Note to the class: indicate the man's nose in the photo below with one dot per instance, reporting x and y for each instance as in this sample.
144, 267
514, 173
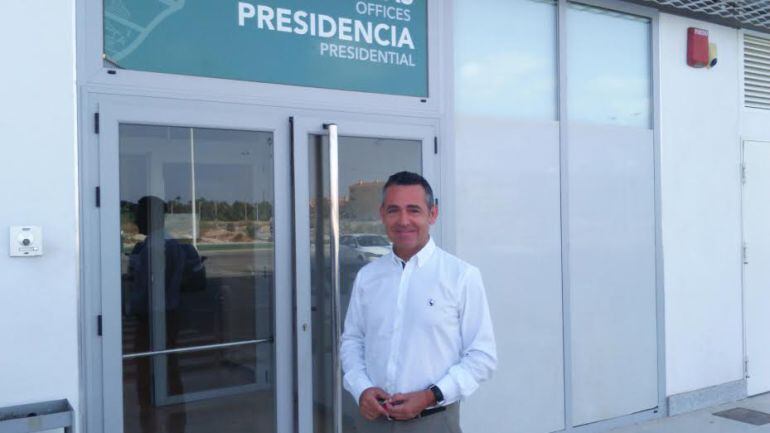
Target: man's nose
403, 218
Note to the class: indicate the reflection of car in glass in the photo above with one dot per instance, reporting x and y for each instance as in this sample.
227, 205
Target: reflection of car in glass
363, 247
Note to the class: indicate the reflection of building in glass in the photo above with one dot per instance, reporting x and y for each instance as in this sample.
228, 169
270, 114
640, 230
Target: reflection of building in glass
364, 200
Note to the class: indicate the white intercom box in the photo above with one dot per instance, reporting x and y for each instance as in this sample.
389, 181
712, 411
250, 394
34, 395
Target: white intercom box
26, 241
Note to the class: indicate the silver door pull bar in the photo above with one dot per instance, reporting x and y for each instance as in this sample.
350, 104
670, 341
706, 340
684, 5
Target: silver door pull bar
196, 348
334, 218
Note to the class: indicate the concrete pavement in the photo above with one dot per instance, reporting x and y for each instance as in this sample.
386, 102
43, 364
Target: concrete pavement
703, 421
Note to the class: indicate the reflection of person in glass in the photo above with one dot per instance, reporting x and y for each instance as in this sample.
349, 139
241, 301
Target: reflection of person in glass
156, 304
418, 335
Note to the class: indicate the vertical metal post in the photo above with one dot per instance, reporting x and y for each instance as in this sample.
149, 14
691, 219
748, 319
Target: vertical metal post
192, 183
566, 293
334, 217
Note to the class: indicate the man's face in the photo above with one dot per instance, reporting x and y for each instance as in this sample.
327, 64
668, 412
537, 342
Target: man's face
407, 218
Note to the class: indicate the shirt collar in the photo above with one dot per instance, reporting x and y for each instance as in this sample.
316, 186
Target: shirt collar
422, 256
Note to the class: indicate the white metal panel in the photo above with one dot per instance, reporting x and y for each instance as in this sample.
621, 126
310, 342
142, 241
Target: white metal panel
756, 267
109, 252
301, 128
612, 279
509, 226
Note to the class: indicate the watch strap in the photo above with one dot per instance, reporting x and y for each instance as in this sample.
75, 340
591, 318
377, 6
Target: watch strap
437, 394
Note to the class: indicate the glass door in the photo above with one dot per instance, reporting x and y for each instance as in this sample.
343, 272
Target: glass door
195, 273
340, 170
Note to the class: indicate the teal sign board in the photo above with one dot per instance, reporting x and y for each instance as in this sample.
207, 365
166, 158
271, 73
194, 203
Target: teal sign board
378, 46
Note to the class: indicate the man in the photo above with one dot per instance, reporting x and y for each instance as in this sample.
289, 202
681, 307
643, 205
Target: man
418, 335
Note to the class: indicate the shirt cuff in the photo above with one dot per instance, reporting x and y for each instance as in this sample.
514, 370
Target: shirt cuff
357, 384
449, 389
456, 385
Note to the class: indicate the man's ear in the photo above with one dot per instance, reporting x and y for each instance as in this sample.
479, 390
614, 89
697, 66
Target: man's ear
433, 214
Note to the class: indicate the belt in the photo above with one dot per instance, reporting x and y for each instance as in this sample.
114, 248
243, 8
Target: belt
431, 411
426, 412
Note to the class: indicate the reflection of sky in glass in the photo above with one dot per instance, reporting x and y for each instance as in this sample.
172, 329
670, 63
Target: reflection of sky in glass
217, 182
370, 159
230, 165
608, 67
505, 58
375, 159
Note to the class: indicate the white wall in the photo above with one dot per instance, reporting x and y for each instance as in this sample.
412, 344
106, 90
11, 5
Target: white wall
754, 124
38, 296
700, 196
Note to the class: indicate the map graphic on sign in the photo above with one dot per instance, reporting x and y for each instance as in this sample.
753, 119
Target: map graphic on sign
375, 46
124, 31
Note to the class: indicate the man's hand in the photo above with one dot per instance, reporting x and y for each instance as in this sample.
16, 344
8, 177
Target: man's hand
408, 406
369, 404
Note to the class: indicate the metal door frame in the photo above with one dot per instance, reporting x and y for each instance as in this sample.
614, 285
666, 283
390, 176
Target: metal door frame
100, 170
302, 128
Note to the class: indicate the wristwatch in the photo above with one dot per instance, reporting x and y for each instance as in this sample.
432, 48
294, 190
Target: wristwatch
437, 394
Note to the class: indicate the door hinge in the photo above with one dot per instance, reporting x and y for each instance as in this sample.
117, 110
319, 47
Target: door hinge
98, 197
435, 145
99, 325
745, 254
743, 173
746, 368
96, 123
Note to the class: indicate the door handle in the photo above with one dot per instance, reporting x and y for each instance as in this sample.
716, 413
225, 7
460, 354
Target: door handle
334, 219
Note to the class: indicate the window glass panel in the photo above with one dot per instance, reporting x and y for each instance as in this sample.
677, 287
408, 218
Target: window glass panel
197, 255
505, 58
608, 67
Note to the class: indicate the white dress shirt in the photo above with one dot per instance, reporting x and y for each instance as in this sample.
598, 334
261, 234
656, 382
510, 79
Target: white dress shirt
412, 325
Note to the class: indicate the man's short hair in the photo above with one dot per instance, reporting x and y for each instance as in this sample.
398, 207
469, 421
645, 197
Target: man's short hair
406, 178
